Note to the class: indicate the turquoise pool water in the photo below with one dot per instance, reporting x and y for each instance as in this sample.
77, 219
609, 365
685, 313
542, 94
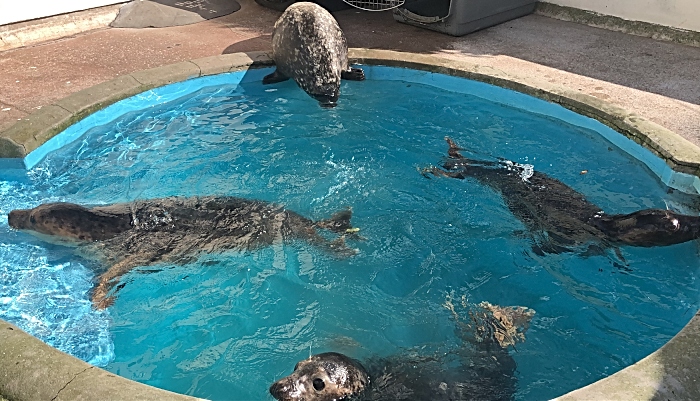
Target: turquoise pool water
227, 326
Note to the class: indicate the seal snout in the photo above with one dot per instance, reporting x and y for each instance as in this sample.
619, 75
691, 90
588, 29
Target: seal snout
279, 390
326, 101
18, 219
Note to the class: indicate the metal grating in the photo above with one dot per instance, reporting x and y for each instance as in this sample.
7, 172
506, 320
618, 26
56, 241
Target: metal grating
375, 5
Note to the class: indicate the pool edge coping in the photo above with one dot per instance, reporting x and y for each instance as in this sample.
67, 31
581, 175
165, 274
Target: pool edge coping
25, 136
641, 380
33, 370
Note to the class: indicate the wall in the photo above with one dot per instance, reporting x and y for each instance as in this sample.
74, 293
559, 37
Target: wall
22, 10
684, 14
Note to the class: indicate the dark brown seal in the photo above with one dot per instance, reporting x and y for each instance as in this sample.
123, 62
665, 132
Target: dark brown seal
173, 230
309, 47
561, 218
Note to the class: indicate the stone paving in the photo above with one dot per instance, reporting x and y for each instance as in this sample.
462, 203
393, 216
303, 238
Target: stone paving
654, 79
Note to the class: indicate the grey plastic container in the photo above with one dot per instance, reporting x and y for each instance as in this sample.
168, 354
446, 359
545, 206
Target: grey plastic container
460, 17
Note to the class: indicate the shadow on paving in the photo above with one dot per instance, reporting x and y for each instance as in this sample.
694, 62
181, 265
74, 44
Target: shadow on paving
249, 45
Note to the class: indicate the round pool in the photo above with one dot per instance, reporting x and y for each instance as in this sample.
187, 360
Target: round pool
429, 248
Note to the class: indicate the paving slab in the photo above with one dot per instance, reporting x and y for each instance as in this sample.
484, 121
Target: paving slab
100, 95
231, 62
38, 127
33, 371
166, 74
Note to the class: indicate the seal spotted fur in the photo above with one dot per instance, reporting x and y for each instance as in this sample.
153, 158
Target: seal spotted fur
309, 47
324, 377
481, 369
560, 217
172, 230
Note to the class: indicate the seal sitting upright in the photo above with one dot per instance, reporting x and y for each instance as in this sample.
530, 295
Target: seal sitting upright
309, 47
172, 230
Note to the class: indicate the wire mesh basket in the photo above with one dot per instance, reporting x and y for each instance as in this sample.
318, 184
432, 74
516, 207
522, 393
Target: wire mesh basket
375, 5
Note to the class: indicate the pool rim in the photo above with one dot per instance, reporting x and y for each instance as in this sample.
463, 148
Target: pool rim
25, 136
67, 377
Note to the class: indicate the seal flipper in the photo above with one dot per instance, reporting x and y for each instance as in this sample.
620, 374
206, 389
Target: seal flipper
141, 253
353, 74
426, 171
339, 222
275, 77
103, 294
453, 151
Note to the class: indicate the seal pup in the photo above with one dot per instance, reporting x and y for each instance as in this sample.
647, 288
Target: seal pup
176, 230
309, 47
482, 369
561, 218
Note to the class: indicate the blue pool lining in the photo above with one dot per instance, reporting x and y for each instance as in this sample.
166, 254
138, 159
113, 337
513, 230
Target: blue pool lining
681, 181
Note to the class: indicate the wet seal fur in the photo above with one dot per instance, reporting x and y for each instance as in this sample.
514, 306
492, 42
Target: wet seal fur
323, 377
309, 47
560, 217
481, 369
172, 230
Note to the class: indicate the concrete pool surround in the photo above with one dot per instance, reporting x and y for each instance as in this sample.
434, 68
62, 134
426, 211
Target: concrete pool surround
32, 370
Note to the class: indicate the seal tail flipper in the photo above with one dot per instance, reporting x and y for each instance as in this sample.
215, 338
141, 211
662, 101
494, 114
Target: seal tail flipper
353, 74
339, 222
340, 249
502, 325
454, 149
275, 77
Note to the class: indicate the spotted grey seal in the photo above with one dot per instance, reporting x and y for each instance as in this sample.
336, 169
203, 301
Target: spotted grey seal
309, 47
481, 369
323, 377
561, 218
172, 230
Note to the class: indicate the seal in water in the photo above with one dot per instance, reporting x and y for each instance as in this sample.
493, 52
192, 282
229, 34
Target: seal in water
323, 377
309, 47
172, 230
562, 218
481, 369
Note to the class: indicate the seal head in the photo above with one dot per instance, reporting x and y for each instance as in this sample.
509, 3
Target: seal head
69, 221
649, 227
323, 377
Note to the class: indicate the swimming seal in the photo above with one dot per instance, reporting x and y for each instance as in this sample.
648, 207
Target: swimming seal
480, 369
172, 230
309, 47
324, 377
562, 218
